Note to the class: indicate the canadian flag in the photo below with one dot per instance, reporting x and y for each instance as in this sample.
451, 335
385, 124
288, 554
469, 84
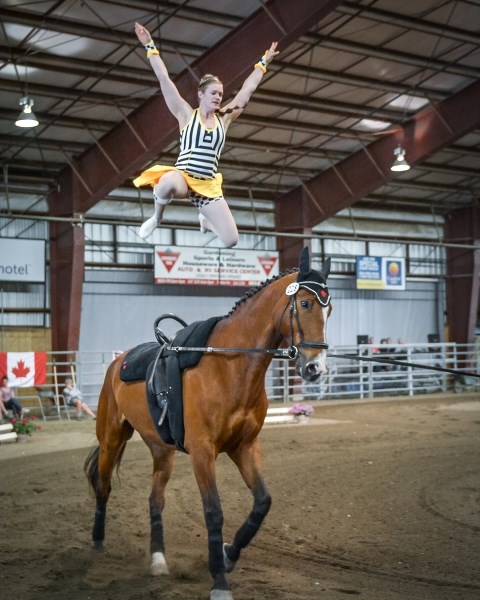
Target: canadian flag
24, 369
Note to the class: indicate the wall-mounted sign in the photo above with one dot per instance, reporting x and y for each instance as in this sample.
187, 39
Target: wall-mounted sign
213, 266
380, 273
22, 260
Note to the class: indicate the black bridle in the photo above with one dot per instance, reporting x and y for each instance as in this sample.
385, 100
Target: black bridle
294, 349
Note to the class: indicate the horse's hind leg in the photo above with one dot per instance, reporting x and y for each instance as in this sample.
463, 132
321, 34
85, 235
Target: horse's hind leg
248, 462
162, 469
99, 468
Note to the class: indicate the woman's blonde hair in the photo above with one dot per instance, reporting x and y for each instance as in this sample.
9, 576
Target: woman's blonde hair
207, 80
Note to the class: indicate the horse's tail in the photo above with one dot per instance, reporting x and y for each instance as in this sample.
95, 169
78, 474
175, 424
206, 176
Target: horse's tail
107, 397
91, 465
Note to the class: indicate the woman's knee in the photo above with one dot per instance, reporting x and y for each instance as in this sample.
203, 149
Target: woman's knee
168, 186
230, 240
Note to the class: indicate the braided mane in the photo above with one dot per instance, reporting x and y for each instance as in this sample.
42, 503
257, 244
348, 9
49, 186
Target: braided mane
257, 289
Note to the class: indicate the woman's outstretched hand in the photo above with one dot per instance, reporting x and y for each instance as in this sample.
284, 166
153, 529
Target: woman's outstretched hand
271, 52
143, 34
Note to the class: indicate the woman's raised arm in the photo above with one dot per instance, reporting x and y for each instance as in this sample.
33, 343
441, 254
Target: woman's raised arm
250, 84
175, 103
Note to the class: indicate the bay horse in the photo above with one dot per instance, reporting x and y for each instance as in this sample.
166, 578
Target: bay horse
225, 404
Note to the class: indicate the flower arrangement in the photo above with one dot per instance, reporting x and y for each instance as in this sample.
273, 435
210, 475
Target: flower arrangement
301, 409
24, 426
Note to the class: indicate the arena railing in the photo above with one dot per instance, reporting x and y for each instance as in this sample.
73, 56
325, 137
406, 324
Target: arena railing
347, 378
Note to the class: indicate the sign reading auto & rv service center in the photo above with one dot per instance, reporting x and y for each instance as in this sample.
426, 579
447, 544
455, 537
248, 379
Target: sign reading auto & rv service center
213, 266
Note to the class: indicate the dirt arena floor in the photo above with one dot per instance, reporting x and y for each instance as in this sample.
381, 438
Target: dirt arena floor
377, 500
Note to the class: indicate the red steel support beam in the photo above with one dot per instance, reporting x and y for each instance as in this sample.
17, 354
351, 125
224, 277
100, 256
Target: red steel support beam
67, 261
463, 274
368, 169
67, 251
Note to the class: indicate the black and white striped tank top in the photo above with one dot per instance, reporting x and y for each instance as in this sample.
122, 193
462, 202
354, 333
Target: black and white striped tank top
200, 148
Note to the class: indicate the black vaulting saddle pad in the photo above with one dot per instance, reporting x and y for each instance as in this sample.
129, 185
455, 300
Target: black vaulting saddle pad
167, 379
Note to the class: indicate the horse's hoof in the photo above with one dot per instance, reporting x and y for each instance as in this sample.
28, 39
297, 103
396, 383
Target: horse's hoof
229, 564
159, 564
221, 595
98, 545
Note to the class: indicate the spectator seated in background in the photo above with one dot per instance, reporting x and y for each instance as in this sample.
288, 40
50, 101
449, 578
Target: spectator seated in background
384, 342
3, 411
73, 397
370, 352
371, 341
401, 353
8, 400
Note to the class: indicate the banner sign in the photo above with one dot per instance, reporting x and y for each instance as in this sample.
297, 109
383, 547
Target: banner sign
213, 266
22, 260
380, 273
24, 369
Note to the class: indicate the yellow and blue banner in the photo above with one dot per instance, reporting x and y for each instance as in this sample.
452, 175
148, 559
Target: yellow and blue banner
380, 273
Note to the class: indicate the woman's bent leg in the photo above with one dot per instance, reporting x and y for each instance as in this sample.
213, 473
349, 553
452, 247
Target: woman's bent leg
219, 219
169, 186
14, 405
149, 226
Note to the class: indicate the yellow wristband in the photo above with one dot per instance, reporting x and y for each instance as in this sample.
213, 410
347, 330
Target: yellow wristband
260, 66
152, 52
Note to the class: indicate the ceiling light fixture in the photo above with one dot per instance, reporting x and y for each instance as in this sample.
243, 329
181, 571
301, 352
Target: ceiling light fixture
27, 117
399, 164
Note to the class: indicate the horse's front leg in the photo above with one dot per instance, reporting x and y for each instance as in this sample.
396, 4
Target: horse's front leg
203, 461
248, 461
162, 469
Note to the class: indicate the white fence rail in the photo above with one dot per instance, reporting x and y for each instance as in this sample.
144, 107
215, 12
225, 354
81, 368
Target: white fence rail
352, 378
347, 378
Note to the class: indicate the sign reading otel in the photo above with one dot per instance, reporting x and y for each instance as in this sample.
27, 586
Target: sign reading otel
213, 266
22, 260
380, 273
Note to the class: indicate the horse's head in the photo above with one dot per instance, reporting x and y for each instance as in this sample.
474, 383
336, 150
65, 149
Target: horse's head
309, 310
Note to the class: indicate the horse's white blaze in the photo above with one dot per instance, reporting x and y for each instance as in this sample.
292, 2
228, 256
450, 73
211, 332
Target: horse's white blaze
159, 564
321, 357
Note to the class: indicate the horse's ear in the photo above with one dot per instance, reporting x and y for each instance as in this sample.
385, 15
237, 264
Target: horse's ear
326, 268
305, 261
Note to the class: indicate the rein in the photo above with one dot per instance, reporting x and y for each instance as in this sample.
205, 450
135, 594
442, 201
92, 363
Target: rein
287, 353
291, 353
403, 363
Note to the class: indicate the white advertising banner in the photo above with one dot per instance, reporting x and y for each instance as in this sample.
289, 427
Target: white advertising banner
213, 266
22, 260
